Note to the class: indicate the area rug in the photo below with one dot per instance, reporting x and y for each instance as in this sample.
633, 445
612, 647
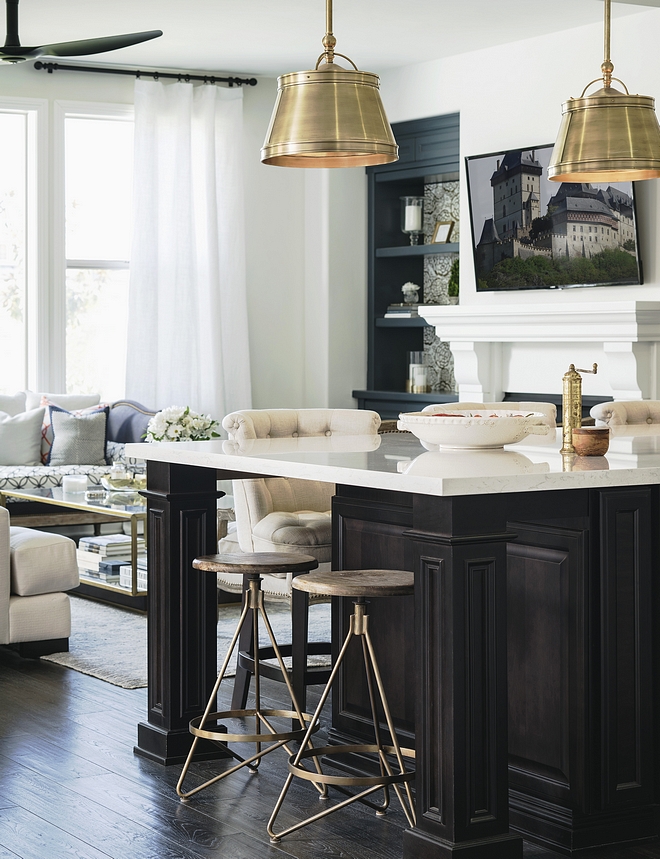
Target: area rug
111, 643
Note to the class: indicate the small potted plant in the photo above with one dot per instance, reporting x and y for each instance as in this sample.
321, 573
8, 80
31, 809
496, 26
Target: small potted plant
452, 285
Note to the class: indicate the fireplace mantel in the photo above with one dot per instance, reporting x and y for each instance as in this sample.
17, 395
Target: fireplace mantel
528, 347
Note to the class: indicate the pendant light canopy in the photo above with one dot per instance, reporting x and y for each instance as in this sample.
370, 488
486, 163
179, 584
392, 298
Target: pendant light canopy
329, 116
609, 136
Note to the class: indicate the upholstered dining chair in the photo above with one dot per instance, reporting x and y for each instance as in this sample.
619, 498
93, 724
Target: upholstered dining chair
285, 515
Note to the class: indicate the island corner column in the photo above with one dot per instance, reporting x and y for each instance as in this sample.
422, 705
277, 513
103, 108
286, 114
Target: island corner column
182, 608
461, 690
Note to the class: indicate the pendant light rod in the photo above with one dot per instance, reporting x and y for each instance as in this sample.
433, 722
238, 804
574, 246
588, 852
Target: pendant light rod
608, 28
608, 66
329, 40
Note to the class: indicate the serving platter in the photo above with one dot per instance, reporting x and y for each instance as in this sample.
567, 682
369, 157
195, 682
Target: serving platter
472, 429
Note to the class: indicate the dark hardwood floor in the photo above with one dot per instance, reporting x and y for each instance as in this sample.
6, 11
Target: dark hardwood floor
70, 786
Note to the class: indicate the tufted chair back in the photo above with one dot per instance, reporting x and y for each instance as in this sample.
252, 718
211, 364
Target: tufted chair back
626, 412
299, 423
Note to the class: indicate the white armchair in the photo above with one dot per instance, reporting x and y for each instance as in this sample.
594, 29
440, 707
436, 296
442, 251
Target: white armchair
36, 569
280, 514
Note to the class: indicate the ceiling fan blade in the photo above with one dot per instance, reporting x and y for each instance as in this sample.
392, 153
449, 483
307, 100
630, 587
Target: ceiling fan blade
97, 46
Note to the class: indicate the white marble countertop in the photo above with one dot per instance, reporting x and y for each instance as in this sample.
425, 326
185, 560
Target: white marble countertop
397, 461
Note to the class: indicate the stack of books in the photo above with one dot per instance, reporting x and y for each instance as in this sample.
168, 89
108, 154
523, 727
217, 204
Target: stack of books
126, 574
102, 557
402, 311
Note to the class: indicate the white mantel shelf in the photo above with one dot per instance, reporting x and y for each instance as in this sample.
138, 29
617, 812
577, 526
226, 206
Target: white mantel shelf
618, 321
487, 340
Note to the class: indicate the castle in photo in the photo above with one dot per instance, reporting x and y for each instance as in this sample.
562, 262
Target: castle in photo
580, 220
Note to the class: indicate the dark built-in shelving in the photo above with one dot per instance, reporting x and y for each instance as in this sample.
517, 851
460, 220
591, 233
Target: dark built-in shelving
418, 250
403, 322
428, 153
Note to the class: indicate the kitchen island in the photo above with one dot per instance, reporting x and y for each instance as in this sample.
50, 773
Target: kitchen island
525, 666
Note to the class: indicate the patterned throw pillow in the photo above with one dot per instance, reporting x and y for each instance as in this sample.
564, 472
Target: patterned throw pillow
115, 454
78, 439
47, 430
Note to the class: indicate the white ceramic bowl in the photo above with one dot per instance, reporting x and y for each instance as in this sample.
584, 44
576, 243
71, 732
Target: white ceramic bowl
473, 430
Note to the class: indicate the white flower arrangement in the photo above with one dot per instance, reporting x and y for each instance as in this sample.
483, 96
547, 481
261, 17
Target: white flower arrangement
179, 423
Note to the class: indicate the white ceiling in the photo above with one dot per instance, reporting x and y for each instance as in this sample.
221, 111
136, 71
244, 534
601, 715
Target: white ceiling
267, 37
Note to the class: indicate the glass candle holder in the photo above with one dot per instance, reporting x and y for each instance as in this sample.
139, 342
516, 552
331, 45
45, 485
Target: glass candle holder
417, 373
412, 217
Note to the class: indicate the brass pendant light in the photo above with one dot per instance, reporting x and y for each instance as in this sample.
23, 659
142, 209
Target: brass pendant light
329, 116
609, 136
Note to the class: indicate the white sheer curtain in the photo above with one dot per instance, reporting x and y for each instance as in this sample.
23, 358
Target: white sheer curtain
188, 329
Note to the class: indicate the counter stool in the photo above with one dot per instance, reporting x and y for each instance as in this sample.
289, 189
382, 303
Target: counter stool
252, 566
359, 584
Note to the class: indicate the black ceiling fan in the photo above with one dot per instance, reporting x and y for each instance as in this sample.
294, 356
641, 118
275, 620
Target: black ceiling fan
14, 52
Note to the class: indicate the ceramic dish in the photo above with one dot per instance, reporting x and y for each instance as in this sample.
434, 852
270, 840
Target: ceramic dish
473, 430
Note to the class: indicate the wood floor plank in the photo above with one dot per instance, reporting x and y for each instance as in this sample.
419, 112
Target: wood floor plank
48, 759
86, 820
34, 838
177, 821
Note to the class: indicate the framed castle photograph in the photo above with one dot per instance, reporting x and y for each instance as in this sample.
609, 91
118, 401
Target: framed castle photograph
531, 233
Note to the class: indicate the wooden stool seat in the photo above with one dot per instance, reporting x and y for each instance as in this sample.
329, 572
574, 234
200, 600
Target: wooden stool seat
256, 562
358, 583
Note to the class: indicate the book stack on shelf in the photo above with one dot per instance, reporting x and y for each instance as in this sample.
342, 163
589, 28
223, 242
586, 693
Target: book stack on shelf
126, 574
102, 557
401, 311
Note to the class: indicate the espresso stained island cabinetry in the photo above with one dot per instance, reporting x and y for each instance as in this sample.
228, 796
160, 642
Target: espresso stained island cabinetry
428, 154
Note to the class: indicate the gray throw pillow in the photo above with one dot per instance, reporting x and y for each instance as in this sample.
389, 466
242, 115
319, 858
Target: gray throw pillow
78, 439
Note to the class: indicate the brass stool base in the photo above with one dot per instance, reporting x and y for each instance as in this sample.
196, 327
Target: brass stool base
399, 780
265, 741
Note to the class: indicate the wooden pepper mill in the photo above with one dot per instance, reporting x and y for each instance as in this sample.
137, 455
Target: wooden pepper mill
572, 405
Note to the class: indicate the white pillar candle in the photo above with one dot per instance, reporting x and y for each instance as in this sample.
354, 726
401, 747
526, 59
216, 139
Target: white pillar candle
413, 219
74, 483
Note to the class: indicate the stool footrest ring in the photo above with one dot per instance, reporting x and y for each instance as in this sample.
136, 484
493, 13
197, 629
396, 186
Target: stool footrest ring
268, 736
351, 781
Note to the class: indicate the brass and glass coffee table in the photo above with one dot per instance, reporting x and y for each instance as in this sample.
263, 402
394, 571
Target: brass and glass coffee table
119, 505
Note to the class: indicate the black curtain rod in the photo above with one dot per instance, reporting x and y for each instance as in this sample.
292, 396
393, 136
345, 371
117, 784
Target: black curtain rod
180, 76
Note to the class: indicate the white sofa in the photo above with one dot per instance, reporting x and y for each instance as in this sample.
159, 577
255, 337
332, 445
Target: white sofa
36, 570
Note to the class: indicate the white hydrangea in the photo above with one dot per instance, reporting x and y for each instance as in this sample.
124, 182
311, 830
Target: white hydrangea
179, 423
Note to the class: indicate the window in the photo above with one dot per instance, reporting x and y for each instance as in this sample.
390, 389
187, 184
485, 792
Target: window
64, 253
19, 240
98, 186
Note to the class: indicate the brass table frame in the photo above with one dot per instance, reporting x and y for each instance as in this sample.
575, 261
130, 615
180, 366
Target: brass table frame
87, 506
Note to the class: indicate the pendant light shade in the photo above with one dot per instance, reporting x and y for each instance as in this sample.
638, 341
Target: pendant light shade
609, 136
329, 116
